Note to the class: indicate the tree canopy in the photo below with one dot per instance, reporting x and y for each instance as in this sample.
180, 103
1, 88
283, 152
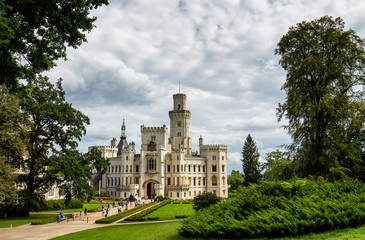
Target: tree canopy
34, 34
325, 99
250, 161
51, 155
205, 200
235, 180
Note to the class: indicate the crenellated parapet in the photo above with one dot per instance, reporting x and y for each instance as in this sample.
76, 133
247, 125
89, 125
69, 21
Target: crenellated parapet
162, 129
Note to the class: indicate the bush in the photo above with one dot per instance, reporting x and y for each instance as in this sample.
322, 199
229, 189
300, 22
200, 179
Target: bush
276, 209
131, 198
205, 200
49, 220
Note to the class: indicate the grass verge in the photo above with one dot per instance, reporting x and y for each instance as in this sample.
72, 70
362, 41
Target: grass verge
170, 211
168, 231
5, 223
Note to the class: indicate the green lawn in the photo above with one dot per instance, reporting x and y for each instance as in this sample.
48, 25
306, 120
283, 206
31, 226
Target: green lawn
4, 223
168, 231
169, 211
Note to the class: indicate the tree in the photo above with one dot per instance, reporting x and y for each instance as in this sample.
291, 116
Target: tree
34, 34
235, 180
250, 161
205, 200
325, 104
7, 184
277, 166
51, 151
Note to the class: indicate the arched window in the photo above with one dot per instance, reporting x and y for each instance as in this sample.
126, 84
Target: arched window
223, 181
214, 181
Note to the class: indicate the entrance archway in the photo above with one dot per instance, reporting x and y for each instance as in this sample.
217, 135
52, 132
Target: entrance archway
149, 188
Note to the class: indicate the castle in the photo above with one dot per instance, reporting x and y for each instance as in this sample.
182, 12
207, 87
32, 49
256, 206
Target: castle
166, 167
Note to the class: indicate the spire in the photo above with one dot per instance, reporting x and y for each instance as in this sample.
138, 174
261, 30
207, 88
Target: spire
123, 135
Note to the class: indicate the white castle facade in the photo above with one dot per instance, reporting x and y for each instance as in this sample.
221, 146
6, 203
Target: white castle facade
165, 166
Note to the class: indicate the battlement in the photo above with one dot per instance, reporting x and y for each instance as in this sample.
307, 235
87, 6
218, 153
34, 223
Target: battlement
162, 129
214, 148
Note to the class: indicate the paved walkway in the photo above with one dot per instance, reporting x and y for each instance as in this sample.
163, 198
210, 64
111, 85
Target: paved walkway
51, 230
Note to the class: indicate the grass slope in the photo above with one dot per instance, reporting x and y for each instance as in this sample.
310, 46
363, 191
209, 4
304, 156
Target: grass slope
169, 211
168, 231
4, 223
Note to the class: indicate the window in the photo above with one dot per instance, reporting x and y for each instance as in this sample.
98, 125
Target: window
178, 124
214, 168
203, 181
170, 194
184, 194
151, 164
223, 181
199, 181
168, 168
108, 169
194, 181
189, 194
51, 192
198, 168
131, 168
118, 181
224, 192
153, 138
222, 168
194, 193
179, 134
214, 157
203, 168
127, 158
126, 168
189, 181
137, 168
194, 168
215, 192
182, 168
214, 181
173, 168
168, 181
177, 194
108, 182
120, 168
222, 157
189, 168
177, 168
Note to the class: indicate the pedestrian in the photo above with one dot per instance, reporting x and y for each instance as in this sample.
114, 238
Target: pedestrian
74, 215
102, 212
85, 212
107, 211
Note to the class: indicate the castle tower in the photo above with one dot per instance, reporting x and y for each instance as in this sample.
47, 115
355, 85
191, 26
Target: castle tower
179, 125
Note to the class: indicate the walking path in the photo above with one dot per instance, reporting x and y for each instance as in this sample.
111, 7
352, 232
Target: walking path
51, 230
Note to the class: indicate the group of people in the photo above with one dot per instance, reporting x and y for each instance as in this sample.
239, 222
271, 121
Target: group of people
121, 205
60, 217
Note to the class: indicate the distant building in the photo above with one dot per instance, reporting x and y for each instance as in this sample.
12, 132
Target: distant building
165, 166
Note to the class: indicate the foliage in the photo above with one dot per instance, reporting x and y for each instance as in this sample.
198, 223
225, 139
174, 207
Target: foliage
235, 180
49, 220
34, 34
131, 198
250, 161
51, 145
277, 166
325, 105
7, 184
273, 209
205, 200
124, 214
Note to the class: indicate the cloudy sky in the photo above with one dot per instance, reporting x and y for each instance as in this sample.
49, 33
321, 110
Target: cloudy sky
221, 53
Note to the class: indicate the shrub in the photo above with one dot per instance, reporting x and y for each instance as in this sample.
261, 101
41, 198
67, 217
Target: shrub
275, 209
205, 200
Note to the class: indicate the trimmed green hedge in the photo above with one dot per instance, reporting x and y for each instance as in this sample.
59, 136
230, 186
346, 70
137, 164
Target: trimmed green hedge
140, 216
124, 214
49, 220
276, 209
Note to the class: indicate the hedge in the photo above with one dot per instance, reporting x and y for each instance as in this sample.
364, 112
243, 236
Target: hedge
140, 216
49, 220
277, 209
124, 214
